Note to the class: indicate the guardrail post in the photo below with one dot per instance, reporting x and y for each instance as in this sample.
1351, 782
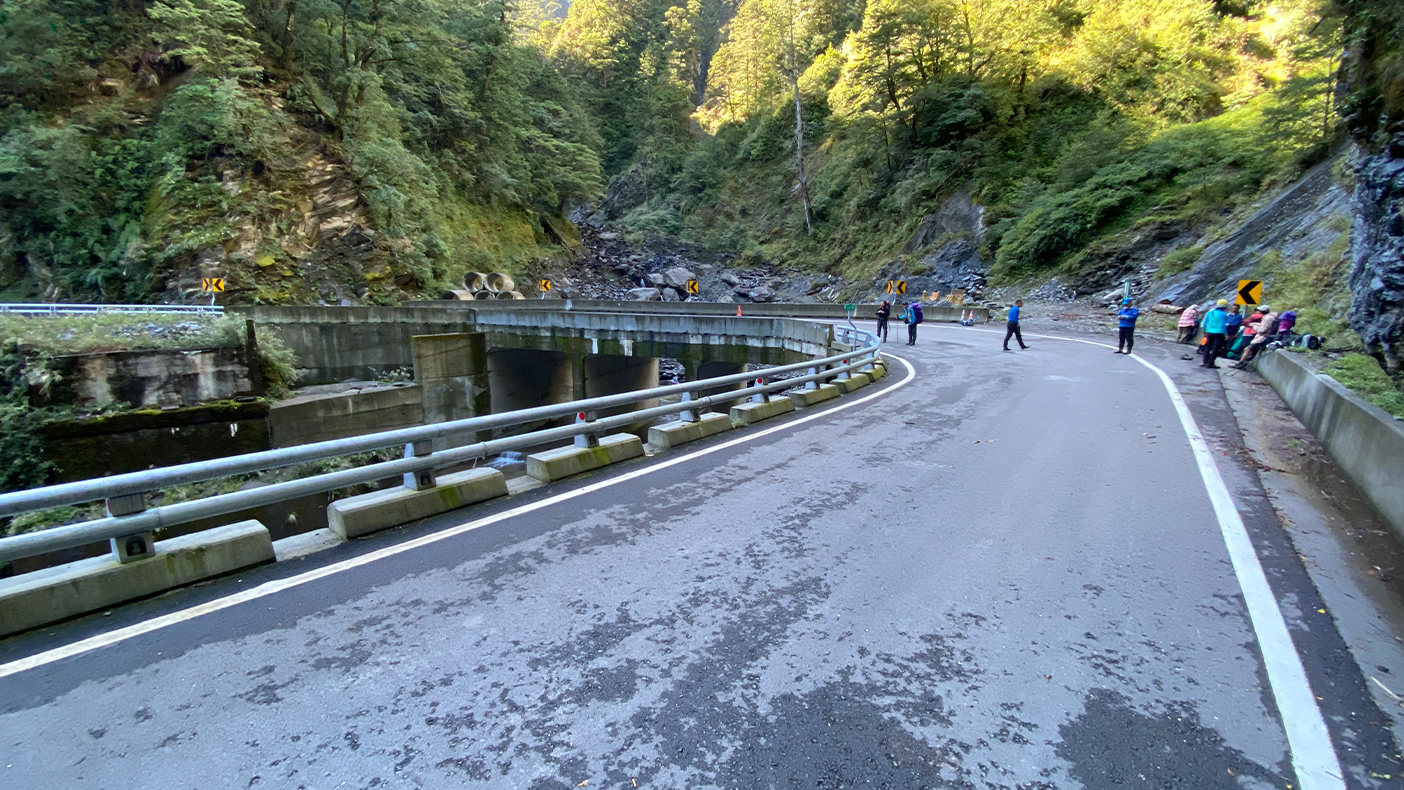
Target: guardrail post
587, 439
424, 478
135, 546
760, 397
691, 414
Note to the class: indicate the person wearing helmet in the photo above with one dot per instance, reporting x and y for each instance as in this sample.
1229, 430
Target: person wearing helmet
1215, 326
1126, 326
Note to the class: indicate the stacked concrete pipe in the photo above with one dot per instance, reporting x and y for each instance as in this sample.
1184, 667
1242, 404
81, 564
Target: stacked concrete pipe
500, 282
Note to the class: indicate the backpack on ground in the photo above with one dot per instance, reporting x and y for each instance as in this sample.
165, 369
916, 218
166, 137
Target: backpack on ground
917, 317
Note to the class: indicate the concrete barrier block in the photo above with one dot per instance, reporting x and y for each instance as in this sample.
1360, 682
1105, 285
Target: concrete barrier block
553, 465
748, 413
361, 515
810, 397
675, 433
878, 372
48, 596
1366, 441
853, 383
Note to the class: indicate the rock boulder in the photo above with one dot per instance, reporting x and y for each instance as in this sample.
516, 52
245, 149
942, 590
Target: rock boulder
678, 277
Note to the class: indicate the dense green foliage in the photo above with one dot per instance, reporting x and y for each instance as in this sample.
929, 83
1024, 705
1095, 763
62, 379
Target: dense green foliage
143, 139
22, 462
1372, 77
1363, 375
137, 134
1066, 120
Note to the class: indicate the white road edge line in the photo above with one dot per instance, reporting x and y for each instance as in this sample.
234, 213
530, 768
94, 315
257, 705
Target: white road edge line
279, 585
1313, 757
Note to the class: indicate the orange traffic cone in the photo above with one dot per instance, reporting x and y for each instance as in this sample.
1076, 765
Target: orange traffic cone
738, 311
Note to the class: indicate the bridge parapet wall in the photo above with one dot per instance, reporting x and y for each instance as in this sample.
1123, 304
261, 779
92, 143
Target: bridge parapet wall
334, 344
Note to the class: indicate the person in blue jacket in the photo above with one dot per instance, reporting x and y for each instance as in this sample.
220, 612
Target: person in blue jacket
911, 317
1215, 325
1233, 324
1126, 326
1011, 329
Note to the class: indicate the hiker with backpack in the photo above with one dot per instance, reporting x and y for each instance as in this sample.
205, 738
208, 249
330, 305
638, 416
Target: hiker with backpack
1266, 329
884, 312
913, 316
1250, 329
1011, 329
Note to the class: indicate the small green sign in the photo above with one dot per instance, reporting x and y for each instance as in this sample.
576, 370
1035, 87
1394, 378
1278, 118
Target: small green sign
850, 307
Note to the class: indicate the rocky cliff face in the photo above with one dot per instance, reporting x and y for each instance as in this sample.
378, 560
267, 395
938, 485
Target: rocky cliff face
1295, 223
1377, 249
1371, 98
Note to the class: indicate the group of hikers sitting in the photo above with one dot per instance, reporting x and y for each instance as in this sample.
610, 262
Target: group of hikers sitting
1225, 332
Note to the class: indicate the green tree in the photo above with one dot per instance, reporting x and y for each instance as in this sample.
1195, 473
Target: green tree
211, 35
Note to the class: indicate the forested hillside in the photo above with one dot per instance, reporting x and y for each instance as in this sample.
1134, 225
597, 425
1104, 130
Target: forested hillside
1063, 120
306, 149
372, 150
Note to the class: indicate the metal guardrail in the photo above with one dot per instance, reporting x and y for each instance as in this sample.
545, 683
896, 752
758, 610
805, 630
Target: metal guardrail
125, 494
68, 309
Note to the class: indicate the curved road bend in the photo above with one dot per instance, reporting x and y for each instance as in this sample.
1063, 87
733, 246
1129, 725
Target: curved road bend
1005, 573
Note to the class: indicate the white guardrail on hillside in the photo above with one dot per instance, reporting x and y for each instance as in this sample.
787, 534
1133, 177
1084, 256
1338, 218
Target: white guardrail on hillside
126, 495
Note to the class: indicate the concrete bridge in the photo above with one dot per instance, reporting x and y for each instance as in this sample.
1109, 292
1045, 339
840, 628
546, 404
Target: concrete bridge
339, 343
470, 362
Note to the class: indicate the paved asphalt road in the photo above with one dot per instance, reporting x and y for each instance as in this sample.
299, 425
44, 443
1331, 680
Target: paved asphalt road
1005, 573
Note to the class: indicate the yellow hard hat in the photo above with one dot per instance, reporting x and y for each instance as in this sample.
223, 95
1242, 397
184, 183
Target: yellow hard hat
1223, 302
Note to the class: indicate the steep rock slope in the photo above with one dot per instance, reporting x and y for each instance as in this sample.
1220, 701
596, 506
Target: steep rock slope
1294, 223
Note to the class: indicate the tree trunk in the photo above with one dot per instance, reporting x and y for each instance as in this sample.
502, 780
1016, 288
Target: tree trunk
799, 157
802, 182
287, 58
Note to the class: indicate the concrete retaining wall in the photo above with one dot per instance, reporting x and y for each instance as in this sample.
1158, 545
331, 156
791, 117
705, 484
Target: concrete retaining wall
1366, 441
87, 447
152, 377
335, 344
315, 418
